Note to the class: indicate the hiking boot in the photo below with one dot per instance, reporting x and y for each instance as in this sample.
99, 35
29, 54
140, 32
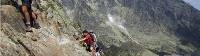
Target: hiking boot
36, 26
28, 28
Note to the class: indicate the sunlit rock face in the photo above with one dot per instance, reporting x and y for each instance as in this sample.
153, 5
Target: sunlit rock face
54, 38
123, 28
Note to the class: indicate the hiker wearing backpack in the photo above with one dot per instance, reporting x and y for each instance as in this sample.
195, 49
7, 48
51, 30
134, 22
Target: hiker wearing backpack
89, 43
30, 18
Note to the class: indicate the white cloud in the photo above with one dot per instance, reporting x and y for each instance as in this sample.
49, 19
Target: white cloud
194, 3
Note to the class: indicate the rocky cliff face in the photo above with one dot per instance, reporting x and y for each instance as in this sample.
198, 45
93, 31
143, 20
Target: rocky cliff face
123, 28
53, 39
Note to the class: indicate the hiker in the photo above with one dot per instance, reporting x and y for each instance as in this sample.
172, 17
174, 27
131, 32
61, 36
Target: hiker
89, 43
30, 18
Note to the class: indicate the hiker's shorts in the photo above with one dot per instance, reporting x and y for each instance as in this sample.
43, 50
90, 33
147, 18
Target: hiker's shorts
88, 48
27, 3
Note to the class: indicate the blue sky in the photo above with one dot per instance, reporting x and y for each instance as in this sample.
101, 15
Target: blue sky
194, 3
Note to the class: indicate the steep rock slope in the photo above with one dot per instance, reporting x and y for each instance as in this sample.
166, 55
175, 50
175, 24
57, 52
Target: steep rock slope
53, 39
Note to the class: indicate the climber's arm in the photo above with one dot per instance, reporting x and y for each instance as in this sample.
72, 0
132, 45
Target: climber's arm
83, 39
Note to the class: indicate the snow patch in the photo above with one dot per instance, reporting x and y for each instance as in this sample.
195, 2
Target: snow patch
118, 22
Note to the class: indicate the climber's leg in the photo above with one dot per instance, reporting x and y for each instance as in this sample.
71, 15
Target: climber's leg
93, 51
34, 19
26, 15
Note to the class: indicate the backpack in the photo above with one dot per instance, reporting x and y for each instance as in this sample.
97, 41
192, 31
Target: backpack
93, 35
